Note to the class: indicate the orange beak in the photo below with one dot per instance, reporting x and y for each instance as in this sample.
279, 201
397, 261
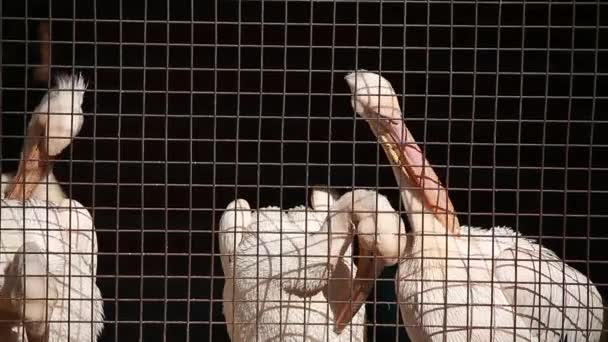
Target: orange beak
368, 270
33, 167
405, 154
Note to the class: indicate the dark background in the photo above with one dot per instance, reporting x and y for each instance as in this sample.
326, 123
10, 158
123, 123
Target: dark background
193, 102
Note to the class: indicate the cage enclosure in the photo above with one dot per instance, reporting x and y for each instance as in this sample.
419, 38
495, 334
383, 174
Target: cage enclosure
192, 104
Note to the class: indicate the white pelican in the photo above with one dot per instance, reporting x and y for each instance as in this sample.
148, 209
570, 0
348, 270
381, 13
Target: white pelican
48, 247
464, 283
266, 253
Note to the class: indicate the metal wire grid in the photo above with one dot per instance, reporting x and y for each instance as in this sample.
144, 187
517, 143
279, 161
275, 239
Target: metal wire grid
194, 104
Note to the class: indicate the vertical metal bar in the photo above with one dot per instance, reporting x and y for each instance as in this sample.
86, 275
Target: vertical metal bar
590, 165
48, 86
566, 164
282, 162
25, 110
236, 182
544, 142
399, 198
214, 142
495, 131
46, 40
447, 162
259, 143
308, 142
520, 121
166, 145
118, 158
354, 150
377, 167
190, 186
423, 148
94, 156
471, 149
71, 164
332, 67
144, 70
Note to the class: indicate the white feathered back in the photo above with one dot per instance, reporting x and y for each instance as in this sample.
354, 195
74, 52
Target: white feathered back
259, 302
67, 234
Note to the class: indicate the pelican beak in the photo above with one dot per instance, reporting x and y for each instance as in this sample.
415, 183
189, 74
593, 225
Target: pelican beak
375, 100
368, 270
33, 167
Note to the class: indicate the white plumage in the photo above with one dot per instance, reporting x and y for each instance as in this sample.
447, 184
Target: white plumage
527, 285
48, 246
60, 112
549, 295
65, 236
262, 252
458, 283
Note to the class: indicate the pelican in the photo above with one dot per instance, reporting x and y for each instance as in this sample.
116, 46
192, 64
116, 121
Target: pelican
266, 254
459, 283
48, 247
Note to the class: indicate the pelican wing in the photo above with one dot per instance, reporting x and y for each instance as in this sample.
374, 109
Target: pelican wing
555, 300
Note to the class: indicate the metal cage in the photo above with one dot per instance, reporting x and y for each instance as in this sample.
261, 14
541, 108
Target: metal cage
192, 104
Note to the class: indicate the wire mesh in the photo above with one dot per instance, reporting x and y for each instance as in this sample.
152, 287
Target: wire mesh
193, 104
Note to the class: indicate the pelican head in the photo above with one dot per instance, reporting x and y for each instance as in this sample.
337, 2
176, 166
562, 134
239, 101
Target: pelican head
382, 240
60, 113
362, 214
380, 230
